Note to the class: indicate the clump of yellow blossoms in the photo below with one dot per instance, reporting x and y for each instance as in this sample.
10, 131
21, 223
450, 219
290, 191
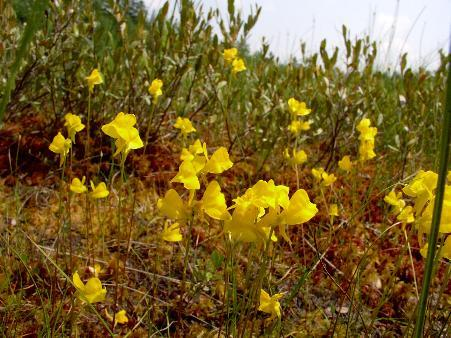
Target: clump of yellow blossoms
126, 136
155, 89
231, 56
185, 125
195, 163
270, 304
367, 135
95, 78
91, 292
421, 191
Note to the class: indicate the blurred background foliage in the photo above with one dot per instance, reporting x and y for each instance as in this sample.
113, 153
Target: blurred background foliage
182, 44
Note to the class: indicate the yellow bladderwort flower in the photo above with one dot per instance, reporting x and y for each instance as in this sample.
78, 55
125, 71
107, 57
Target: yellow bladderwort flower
395, 199
406, 215
333, 210
171, 233
213, 202
230, 54
298, 108
299, 157
60, 145
238, 65
95, 78
328, 179
345, 163
242, 226
297, 126
286, 154
122, 130
185, 126
155, 89
91, 292
172, 206
99, 191
219, 162
317, 173
73, 125
270, 304
78, 186
187, 175
119, 318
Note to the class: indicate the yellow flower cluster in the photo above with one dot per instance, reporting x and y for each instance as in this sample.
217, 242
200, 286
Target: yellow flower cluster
231, 56
322, 176
265, 206
60, 145
297, 109
367, 135
195, 163
421, 190
99, 191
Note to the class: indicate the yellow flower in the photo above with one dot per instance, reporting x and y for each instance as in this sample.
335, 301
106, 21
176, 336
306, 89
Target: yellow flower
61, 146
119, 318
90, 292
345, 163
185, 126
286, 154
299, 157
78, 186
73, 125
296, 126
94, 79
298, 108
406, 215
155, 89
270, 304
328, 179
187, 175
219, 162
238, 65
100, 191
213, 202
395, 199
299, 209
230, 54
172, 206
333, 210
317, 173
242, 226
122, 130
171, 233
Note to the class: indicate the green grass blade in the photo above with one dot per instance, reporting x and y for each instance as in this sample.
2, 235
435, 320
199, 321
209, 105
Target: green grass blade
445, 141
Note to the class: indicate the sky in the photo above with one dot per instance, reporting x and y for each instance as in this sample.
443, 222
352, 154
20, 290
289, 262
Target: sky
418, 27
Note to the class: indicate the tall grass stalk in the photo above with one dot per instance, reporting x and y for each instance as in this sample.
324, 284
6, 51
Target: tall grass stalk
445, 142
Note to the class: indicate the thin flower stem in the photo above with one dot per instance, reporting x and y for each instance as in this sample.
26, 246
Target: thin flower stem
445, 141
